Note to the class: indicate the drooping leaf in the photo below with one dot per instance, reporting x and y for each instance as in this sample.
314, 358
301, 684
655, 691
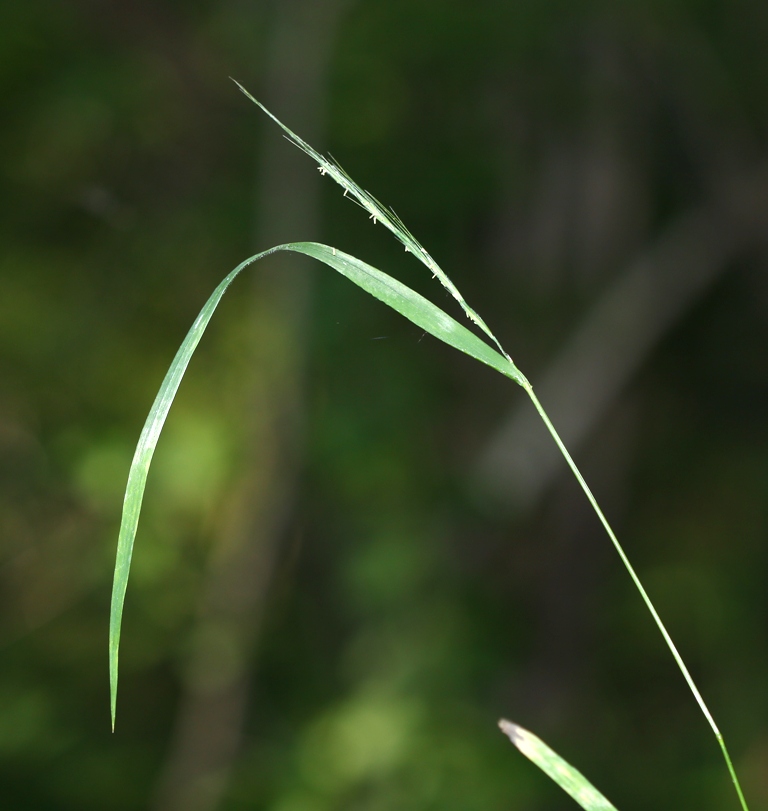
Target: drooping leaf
568, 778
408, 303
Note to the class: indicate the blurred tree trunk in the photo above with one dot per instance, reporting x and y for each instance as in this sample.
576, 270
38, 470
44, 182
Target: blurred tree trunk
617, 336
219, 666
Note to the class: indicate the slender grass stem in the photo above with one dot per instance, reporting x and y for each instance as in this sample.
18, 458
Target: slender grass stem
643, 593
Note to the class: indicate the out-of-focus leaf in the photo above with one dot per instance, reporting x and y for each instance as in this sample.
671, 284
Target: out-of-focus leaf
568, 778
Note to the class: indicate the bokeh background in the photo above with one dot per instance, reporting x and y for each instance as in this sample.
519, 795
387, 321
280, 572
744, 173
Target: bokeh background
358, 549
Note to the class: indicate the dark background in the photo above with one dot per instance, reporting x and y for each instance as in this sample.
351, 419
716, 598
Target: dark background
358, 549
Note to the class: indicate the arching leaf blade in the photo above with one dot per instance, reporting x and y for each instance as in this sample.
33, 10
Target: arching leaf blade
142, 458
401, 298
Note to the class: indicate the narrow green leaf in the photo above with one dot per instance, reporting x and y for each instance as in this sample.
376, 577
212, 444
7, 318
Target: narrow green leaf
401, 298
137, 475
412, 305
568, 778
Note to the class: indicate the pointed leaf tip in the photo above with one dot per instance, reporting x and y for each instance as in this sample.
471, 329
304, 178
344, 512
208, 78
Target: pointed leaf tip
509, 729
557, 769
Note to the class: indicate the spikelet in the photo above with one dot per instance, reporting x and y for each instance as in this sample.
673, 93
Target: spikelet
379, 213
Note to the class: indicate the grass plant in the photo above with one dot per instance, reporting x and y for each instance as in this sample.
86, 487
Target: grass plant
433, 320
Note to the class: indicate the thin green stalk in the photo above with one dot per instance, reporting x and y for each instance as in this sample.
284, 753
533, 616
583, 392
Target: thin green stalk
643, 593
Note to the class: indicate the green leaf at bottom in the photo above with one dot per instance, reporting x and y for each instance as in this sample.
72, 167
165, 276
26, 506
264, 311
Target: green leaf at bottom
568, 778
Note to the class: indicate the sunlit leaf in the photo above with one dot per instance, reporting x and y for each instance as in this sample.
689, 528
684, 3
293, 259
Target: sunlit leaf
568, 778
401, 298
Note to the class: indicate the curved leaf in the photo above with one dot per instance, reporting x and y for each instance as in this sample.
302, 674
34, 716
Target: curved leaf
401, 298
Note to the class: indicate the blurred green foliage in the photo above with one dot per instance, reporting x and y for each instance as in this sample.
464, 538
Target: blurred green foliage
536, 149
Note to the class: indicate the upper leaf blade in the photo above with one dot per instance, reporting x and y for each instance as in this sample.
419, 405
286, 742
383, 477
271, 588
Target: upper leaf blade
412, 305
408, 303
142, 458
